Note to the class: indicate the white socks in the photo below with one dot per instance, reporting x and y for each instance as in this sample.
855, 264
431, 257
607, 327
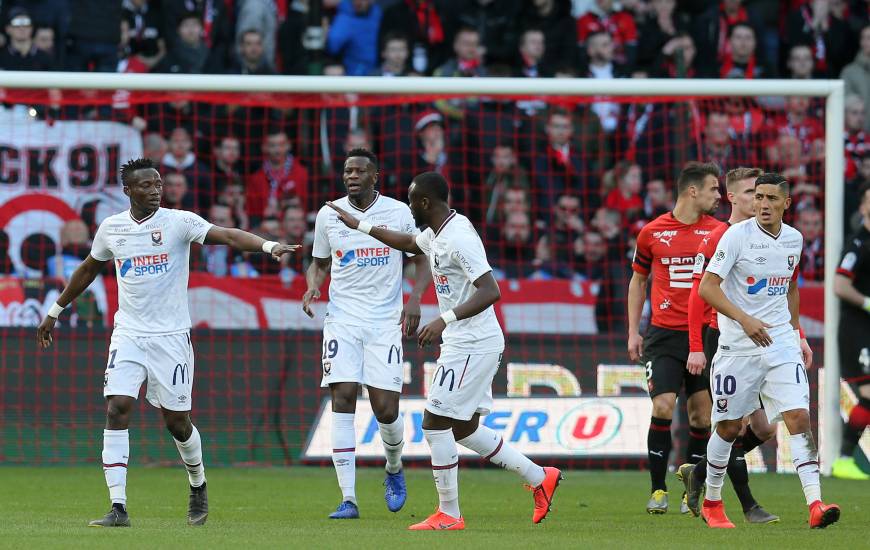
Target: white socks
488, 444
344, 454
806, 462
445, 468
116, 453
191, 455
392, 436
718, 453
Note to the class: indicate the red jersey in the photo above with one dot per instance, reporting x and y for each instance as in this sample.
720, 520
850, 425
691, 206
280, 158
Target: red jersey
666, 248
700, 313
619, 25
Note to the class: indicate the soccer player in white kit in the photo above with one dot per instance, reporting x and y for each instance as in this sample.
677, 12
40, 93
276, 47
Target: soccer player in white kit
751, 281
150, 341
471, 349
362, 333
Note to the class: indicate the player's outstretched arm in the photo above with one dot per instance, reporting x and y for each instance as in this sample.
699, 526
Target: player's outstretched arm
411, 311
636, 298
247, 242
314, 277
711, 291
81, 279
487, 293
395, 239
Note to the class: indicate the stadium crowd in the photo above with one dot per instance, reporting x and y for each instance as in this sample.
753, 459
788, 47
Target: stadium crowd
558, 188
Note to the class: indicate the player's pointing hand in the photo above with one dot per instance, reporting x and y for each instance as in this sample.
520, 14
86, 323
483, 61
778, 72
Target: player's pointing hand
281, 249
346, 217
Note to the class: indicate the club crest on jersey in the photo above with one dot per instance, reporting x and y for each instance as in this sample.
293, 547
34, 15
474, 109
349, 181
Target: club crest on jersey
792, 260
721, 405
156, 238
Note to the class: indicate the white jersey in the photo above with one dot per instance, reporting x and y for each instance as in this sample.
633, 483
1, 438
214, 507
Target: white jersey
757, 269
365, 285
152, 264
457, 259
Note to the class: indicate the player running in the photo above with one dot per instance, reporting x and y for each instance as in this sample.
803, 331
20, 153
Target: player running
666, 248
852, 286
362, 334
151, 337
740, 186
751, 282
471, 349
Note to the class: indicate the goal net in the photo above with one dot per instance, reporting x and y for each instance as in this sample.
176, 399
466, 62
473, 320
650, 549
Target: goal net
558, 177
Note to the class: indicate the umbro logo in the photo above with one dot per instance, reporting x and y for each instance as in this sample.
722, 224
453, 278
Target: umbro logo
760, 260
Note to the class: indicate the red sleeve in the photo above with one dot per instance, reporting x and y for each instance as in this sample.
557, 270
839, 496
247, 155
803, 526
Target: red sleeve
642, 262
696, 317
628, 28
255, 199
585, 26
796, 274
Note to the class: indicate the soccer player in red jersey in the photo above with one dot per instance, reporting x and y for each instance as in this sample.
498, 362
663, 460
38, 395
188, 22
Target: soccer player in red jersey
703, 342
666, 249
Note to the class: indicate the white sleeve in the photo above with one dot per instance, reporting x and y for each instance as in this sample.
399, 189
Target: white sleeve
194, 227
100, 247
727, 253
424, 240
409, 226
321, 248
468, 252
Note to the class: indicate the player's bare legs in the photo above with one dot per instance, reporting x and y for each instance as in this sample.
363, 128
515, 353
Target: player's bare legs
806, 463
116, 453
189, 445
344, 446
385, 405
443, 433
659, 443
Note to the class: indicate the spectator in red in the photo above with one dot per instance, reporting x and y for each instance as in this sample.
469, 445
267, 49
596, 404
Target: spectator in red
813, 24
530, 62
421, 21
713, 27
146, 42
809, 223
600, 55
553, 18
560, 245
620, 25
741, 61
282, 181
468, 62
625, 196
718, 145
560, 167
855, 138
798, 122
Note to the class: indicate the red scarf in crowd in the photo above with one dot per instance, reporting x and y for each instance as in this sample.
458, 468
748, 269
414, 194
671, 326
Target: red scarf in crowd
725, 24
728, 66
427, 20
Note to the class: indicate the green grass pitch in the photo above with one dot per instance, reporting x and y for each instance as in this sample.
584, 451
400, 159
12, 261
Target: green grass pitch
49, 507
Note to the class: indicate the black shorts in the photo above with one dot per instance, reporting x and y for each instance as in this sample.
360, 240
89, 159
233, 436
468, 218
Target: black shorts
711, 345
665, 353
853, 337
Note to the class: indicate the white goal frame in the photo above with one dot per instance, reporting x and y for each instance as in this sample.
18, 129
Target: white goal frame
831, 90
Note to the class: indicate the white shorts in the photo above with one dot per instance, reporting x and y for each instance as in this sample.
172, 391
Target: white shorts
365, 355
462, 384
166, 362
777, 380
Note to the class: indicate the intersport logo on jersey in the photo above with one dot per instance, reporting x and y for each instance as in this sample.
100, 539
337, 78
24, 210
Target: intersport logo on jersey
775, 285
152, 264
364, 257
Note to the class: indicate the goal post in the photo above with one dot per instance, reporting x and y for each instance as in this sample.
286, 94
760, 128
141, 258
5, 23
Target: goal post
832, 91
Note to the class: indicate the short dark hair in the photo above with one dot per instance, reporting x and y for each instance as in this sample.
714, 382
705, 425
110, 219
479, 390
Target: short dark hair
433, 185
394, 35
744, 25
363, 152
694, 173
772, 178
132, 165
